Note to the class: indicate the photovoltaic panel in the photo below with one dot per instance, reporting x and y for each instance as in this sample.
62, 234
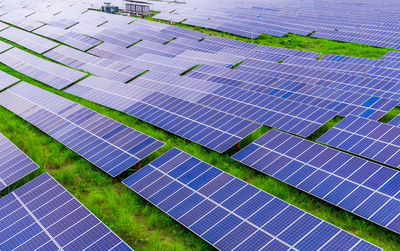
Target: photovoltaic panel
359, 186
43, 215
367, 138
14, 164
6, 80
52, 74
230, 214
111, 146
28, 40
213, 129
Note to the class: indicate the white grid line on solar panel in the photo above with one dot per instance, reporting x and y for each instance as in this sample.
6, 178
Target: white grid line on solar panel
356, 185
111, 146
348, 59
104, 68
14, 164
367, 138
49, 215
6, 80
52, 74
383, 72
171, 114
374, 86
246, 204
28, 40
67, 37
395, 64
329, 65
296, 118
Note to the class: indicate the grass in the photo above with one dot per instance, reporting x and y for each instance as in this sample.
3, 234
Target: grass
142, 225
390, 115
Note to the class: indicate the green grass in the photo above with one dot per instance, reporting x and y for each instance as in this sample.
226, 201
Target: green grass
390, 115
298, 42
142, 225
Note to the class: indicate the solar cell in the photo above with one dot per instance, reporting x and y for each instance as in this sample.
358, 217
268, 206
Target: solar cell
230, 214
370, 139
354, 184
44, 215
14, 164
213, 129
111, 146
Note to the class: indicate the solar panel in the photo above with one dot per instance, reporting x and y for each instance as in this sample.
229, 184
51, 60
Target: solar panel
370, 139
109, 69
364, 188
28, 40
42, 214
49, 73
230, 214
111, 146
14, 164
70, 38
212, 129
6, 80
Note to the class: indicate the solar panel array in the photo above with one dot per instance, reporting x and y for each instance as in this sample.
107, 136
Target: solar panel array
205, 126
27, 39
49, 73
355, 21
364, 188
230, 214
73, 39
111, 146
44, 215
101, 67
370, 139
14, 164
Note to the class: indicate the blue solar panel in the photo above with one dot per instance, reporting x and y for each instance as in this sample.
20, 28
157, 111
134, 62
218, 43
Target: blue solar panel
44, 215
213, 129
52, 74
354, 184
367, 138
109, 145
227, 212
14, 164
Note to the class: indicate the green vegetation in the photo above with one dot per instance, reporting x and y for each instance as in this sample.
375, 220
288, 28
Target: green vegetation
324, 128
298, 42
142, 225
390, 115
